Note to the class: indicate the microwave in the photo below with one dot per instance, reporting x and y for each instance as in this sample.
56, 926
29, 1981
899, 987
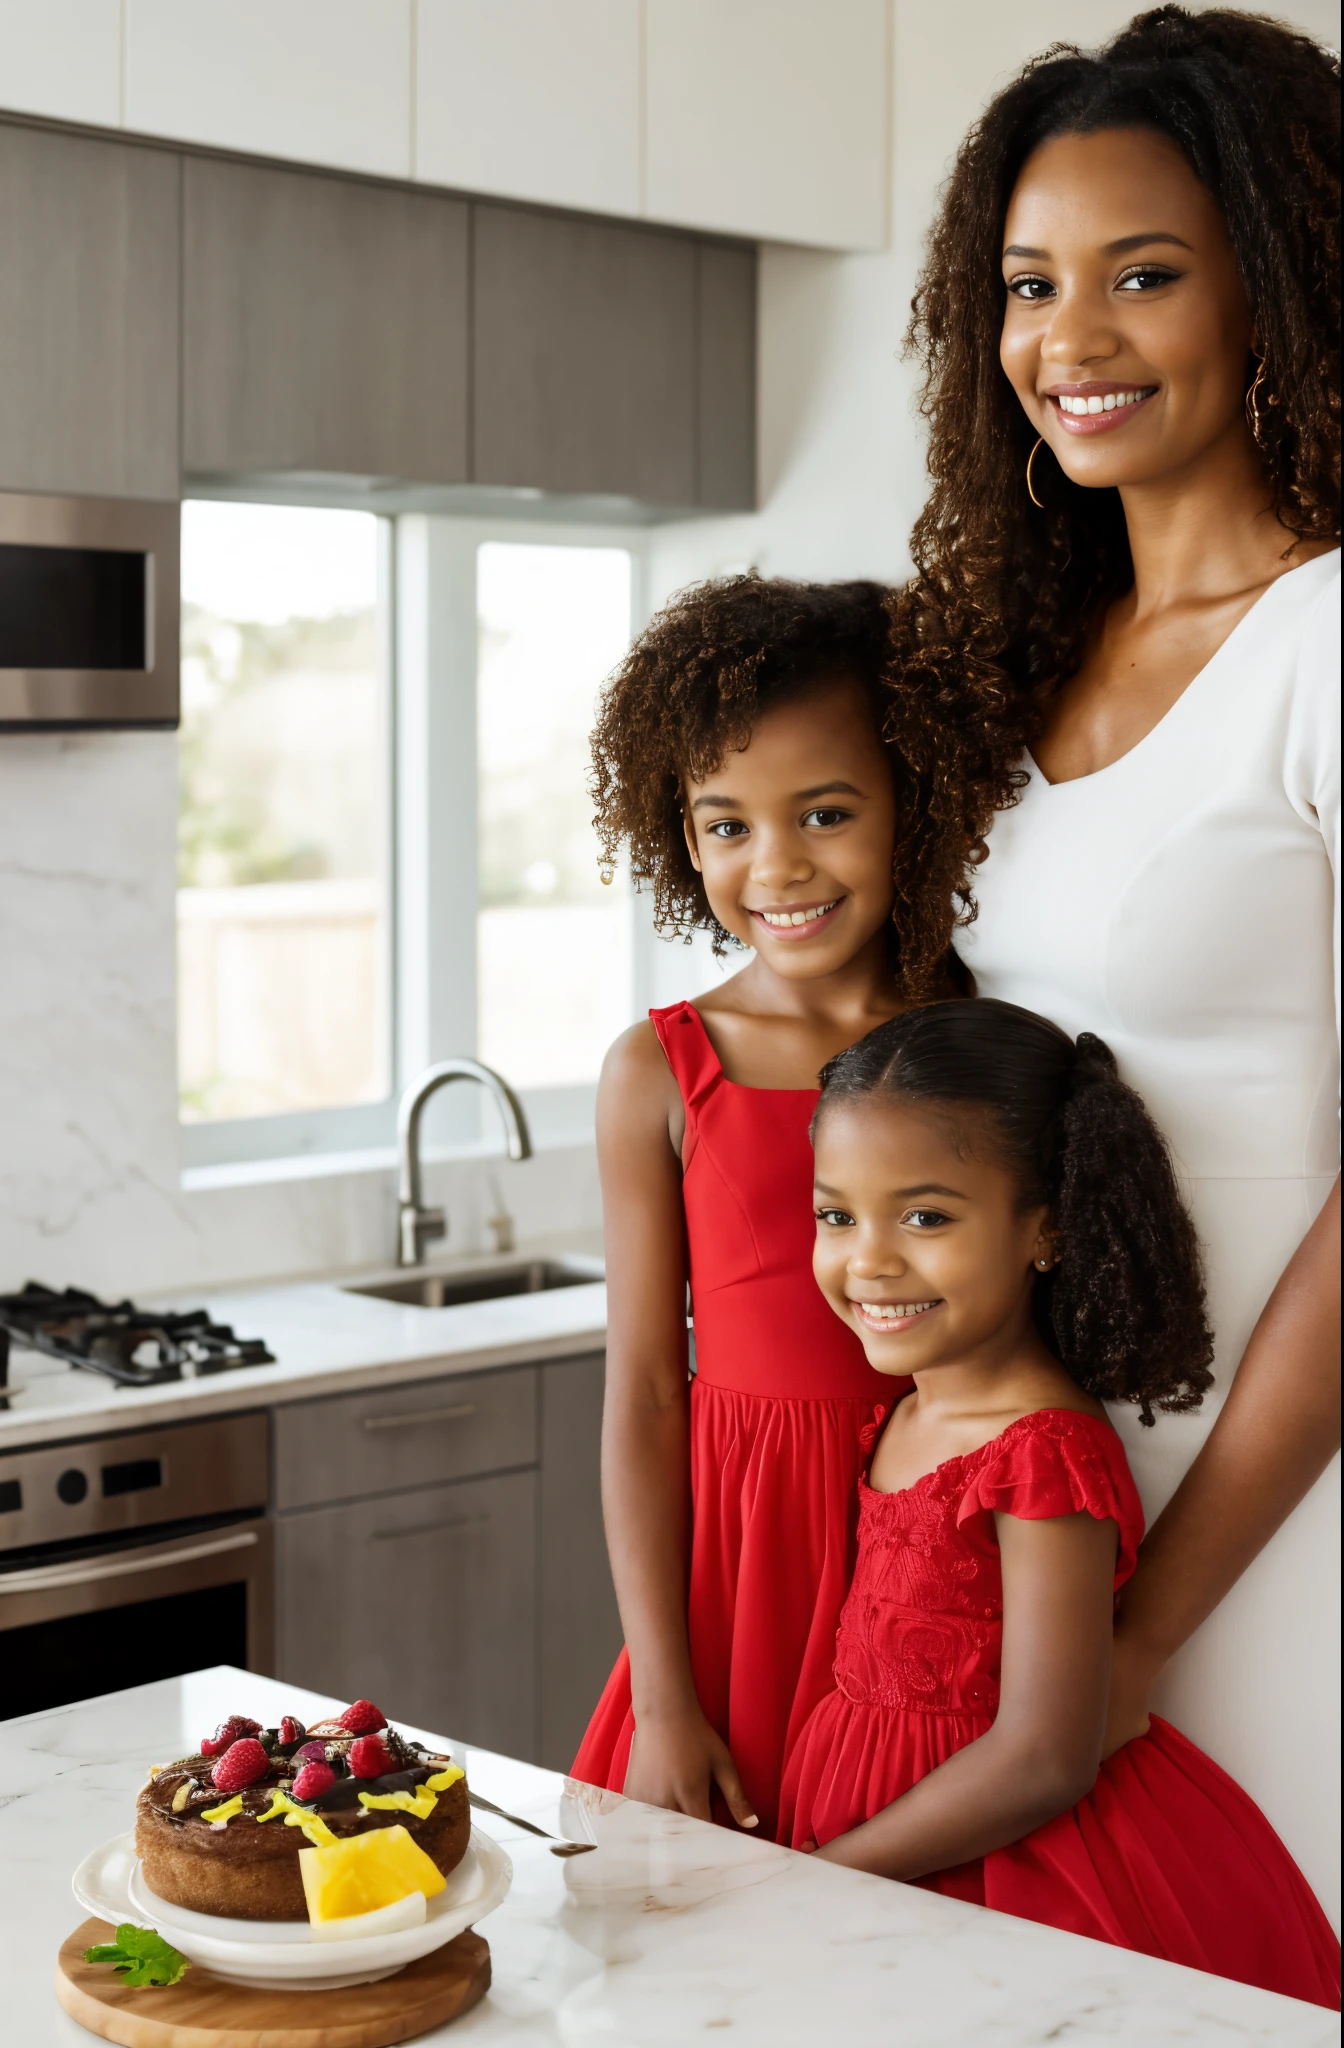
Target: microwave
88, 613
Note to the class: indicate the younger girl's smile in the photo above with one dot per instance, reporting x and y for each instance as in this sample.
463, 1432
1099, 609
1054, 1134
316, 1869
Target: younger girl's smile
889, 1318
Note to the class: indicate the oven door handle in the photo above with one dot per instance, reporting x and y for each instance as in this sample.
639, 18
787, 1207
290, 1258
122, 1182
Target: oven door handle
47, 1578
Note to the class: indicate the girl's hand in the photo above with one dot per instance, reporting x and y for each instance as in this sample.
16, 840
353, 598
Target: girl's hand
677, 1759
1132, 1679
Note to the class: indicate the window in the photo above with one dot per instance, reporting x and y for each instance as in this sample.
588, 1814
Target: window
284, 981
554, 967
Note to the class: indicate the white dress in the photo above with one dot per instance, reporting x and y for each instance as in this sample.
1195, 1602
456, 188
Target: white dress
1183, 903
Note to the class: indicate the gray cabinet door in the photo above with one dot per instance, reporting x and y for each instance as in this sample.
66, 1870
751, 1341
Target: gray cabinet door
580, 1627
391, 1439
325, 326
424, 1602
89, 242
584, 364
726, 417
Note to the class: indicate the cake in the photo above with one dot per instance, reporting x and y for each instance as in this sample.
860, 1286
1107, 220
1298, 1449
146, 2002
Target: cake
221, 1831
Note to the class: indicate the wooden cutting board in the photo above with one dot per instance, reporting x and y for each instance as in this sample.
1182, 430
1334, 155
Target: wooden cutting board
205, 2011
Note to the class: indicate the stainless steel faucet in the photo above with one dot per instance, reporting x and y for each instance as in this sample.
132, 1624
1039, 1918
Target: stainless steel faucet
416, 1224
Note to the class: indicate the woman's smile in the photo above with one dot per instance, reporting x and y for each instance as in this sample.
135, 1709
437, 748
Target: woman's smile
1094, 407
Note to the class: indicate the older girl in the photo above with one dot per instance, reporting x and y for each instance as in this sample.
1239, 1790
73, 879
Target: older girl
773, 787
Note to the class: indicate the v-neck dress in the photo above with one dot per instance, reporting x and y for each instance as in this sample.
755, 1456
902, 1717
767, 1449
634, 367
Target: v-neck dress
1184, 903
781, 1394
1165, 1854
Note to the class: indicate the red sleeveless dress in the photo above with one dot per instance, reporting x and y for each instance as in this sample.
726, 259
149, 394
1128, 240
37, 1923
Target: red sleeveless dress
1166, 1854
781, 1393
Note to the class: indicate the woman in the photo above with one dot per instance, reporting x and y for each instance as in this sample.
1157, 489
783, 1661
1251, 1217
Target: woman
1130, 324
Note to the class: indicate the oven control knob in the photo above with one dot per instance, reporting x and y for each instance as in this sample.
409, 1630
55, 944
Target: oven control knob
72, 1486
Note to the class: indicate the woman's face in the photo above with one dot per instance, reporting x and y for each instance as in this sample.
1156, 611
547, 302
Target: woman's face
1126, 331
794, 833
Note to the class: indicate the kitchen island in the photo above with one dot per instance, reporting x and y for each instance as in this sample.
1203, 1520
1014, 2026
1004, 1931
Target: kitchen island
669, 1931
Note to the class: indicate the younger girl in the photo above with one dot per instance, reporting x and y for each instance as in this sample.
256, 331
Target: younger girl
997, 1219
773, 786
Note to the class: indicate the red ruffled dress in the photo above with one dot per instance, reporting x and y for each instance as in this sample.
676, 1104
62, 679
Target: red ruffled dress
1166, 1854
781, 1395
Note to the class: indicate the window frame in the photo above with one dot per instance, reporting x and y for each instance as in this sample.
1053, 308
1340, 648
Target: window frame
427, 592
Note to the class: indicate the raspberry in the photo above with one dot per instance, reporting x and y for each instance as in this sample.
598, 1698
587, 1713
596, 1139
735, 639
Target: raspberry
228, 1732
313, 1780
312, 1753
241, 1764
291, 1730
363, 1718
370, 1758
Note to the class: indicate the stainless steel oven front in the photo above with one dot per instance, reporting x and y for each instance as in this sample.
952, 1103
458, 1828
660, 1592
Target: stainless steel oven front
132, 1557
89, 593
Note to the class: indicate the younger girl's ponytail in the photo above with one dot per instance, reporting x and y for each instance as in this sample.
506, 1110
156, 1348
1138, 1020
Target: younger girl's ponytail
1124, 1307
1126, 1301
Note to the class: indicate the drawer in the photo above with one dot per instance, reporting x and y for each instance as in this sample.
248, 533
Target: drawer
388, 1439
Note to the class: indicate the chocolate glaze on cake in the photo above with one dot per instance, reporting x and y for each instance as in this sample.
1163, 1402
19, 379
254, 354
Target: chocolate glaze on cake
248, 1869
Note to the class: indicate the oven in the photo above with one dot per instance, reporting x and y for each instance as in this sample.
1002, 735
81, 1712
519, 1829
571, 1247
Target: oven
88, 613
132, 1557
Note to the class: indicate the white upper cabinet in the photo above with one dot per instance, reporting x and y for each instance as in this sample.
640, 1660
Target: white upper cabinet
62, 58
320, 81
769, 118
766, 119
531, 99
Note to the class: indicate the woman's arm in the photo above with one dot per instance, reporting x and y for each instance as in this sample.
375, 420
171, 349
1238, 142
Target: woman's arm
1041, 1755
646, 1493
1277, 1433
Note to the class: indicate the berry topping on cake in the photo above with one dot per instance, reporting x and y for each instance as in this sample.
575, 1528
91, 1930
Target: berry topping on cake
312, 1753
363, 1718
313, 1780
227, 1733
370, 1757
291, 1730
241, 1765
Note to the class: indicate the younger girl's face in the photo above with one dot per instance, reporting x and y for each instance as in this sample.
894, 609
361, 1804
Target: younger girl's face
922, 1245
794, 834
1126, 328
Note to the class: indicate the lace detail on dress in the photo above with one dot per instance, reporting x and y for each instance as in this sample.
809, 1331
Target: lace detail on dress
922, 1628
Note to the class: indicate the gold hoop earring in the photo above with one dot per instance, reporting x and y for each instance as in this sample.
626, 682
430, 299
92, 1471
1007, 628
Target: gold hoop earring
1252, 405
1039, 503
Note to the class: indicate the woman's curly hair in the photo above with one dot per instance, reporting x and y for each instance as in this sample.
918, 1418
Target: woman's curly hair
696, 681
1006, 593
1124, 1308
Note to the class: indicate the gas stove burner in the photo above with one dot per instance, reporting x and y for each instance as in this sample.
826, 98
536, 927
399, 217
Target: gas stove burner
136, 1347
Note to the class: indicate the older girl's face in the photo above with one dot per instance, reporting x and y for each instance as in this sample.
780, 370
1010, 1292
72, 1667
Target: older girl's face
794, 834
1126, 333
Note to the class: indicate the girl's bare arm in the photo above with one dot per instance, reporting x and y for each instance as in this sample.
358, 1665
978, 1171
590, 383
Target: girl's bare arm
1041, 1755
1278, 1431
645, 1429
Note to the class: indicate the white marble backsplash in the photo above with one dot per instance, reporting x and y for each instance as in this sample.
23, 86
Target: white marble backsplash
90, 1182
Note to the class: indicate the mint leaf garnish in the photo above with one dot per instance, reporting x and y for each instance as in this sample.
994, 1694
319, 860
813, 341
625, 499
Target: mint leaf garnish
140, 1956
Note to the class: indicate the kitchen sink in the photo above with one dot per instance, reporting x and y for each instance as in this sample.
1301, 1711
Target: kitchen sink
486, 1283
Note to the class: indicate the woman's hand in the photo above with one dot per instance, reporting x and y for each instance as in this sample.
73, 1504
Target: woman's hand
1132, 1679
677, 1759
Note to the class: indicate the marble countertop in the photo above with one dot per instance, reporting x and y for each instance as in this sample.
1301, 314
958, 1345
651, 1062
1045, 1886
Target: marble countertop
326, 1340
671, 1930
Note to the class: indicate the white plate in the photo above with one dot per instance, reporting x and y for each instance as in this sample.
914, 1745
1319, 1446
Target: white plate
277, 1955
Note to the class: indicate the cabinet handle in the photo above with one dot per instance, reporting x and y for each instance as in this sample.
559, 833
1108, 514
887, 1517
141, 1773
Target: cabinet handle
458, 1414
428, 1528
